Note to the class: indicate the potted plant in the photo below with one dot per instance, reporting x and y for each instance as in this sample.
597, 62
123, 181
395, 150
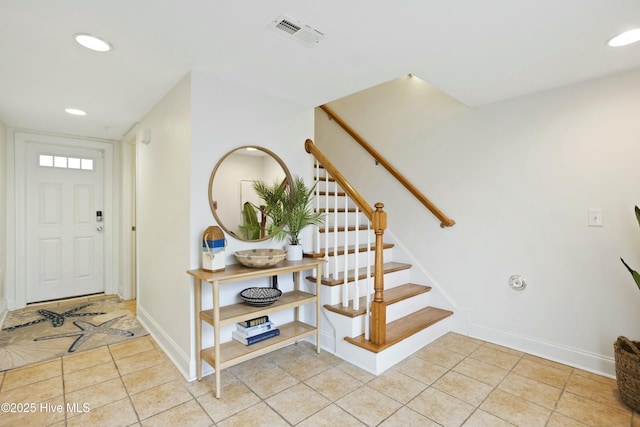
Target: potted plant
627, 357
290, 210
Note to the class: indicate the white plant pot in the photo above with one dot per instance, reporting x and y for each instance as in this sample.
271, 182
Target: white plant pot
294, 252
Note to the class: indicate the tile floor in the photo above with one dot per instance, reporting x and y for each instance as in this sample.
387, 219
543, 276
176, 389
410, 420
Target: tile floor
452, 382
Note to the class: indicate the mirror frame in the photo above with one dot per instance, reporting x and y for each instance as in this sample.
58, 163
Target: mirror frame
287, 174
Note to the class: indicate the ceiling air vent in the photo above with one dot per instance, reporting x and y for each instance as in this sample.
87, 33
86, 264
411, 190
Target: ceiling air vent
296, 30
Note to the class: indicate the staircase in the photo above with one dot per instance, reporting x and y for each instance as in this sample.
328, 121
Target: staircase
369, 325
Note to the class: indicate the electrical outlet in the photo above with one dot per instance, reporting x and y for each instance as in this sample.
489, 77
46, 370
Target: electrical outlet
595, 218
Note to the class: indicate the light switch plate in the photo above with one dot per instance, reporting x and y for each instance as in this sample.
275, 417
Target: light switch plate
595, 218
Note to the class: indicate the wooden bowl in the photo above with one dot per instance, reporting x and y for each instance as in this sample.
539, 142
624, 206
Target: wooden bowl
261, 258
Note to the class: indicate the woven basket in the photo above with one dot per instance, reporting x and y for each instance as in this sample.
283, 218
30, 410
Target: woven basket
627, 354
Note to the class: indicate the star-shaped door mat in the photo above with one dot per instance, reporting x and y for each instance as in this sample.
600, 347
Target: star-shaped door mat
35, 334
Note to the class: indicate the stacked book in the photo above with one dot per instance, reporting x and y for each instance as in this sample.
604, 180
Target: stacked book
255, 330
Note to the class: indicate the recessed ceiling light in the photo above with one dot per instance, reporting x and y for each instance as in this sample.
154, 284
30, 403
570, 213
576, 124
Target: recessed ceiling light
75, 112
92, 42
625, 38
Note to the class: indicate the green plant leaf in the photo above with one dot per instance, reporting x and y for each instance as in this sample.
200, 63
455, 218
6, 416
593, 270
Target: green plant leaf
634, 273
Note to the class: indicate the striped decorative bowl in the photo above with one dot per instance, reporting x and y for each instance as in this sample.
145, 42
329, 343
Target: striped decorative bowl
260, 297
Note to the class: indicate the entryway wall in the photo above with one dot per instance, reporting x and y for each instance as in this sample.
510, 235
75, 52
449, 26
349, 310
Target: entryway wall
16, 141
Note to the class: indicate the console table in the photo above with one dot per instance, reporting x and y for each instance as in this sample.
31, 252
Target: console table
224, 355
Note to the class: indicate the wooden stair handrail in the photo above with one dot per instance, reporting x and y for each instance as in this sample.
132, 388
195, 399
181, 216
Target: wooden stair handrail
311, 148
444, 220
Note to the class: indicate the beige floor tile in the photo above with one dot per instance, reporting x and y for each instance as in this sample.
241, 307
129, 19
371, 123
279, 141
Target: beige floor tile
42, 413
188, 414
420, 370
269, 382
115, 414
331, 416
333, 383
89, 376
548, 362
297, 403
481, 371
605, 392
145, 379
208, 384
590, 412
368, 405
592, 376
34, 392
462, 387
234, 398
459, 343
543, 372
503, 349
494, 356
32, 374
482, 419
397, 386
305, 366
442, 408
357, 373
259, 415
515, 410
86, 359
405, 417
253, 369
131, 347
139, 361
99, 394
440, 356
158, 399
531, 390
559, 420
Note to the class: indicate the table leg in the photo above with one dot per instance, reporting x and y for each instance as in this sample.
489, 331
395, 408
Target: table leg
197, 297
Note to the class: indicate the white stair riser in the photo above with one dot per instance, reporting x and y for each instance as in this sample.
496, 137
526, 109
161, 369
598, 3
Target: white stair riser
361, 257
338, 238
342, 218
406, 307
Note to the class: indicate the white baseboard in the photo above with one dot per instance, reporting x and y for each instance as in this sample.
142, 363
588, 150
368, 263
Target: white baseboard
171, 349
591, 362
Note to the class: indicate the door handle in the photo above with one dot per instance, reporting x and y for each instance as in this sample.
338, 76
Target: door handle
99, 228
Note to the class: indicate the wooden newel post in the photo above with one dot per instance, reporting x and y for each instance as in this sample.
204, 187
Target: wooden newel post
378, 306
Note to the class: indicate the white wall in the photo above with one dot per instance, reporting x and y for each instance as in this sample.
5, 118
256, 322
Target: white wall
197, 123
162, 208
3, 218
518, 178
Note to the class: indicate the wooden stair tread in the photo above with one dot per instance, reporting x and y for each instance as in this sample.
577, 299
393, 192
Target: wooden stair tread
391, 296
388, 267
403, 328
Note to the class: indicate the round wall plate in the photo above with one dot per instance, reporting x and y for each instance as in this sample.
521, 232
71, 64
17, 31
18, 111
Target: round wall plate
517, 282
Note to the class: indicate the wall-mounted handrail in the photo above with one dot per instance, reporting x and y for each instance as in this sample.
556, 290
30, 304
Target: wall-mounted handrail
444, 220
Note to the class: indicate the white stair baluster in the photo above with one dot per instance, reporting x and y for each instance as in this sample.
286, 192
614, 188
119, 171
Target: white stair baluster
345, 285
356, 284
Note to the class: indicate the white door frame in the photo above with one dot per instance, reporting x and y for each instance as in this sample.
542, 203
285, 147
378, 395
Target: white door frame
20, 169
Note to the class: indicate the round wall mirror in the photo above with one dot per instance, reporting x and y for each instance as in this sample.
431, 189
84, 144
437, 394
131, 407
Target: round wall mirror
233, 201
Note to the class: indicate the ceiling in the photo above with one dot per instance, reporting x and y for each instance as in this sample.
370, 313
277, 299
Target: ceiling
476, 51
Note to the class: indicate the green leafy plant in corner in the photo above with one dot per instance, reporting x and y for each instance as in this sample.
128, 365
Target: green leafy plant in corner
634, 273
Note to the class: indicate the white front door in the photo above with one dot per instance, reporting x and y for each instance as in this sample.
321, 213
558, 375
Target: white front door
64, 208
